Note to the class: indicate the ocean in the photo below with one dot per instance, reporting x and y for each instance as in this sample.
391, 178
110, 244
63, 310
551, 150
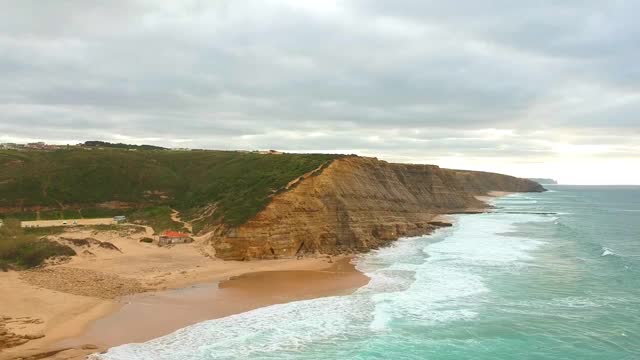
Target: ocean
552, 275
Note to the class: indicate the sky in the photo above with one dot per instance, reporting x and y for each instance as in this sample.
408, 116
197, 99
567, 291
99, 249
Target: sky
531, 89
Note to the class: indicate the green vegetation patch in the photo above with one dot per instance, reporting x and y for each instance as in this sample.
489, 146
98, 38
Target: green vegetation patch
159, 218
24, 216
23, 250
51, 215
149, 182
93, 213
104, 144
71, 214
44, 231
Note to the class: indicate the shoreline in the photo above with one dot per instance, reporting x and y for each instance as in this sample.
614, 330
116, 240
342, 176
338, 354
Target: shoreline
246, 285
135, 320
206, 290
96, 324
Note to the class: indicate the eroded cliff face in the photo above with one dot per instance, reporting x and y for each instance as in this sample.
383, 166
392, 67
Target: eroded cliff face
357, 204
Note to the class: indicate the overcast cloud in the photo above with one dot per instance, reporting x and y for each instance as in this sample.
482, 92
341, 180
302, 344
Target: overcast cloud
542, 88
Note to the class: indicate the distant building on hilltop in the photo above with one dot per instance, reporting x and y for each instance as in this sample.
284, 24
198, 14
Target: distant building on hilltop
36, 145
41, 145
270, 152
10, 146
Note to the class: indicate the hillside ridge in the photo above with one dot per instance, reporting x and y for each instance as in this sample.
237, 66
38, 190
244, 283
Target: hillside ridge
251, 205
146, 185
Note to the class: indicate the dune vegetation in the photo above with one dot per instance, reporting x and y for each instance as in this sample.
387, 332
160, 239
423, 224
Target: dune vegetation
25, 248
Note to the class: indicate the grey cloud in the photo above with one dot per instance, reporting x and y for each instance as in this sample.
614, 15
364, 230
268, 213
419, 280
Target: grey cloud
237, 74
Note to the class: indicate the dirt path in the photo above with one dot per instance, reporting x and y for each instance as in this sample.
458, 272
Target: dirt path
299, 179
175, 216
208, 212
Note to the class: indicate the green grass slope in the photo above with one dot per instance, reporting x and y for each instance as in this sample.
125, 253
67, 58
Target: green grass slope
72, 183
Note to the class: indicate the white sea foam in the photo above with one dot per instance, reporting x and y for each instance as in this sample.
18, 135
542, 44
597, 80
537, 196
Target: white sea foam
607, 252
274, 328
447, 285
552, 305
516, 201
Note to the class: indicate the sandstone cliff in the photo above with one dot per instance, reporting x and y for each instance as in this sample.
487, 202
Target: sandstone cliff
357, 204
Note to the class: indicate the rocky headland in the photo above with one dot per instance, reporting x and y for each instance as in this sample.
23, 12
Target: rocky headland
357, 204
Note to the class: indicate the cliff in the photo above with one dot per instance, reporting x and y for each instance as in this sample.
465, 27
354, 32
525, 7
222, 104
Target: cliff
357, 204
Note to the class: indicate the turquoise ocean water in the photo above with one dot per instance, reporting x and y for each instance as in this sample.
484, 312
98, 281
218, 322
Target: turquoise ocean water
554, 275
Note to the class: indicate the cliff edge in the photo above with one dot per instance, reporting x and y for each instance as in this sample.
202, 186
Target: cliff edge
356, 204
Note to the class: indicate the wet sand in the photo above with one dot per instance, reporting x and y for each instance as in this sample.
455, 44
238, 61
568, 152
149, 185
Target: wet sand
142, 317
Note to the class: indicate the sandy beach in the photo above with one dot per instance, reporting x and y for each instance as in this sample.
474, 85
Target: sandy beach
105, 297
108, 296
137, 320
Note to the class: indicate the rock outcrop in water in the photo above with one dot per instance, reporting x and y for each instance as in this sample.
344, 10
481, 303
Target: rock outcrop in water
357, 204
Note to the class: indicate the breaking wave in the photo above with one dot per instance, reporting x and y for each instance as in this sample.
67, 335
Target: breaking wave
429, 281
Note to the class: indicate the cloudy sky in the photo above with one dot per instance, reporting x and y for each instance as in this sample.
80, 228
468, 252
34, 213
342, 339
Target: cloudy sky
528, 88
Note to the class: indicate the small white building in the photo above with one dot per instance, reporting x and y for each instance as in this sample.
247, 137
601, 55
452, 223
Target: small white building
120, 218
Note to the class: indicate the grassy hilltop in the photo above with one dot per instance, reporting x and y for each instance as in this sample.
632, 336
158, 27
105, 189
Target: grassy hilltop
205, 186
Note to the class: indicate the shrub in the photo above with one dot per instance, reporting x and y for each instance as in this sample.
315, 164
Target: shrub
21, 250
34, 253
28, 253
